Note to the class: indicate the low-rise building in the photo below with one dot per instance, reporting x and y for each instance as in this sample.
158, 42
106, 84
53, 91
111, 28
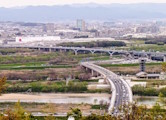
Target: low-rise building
144, 75
36, 39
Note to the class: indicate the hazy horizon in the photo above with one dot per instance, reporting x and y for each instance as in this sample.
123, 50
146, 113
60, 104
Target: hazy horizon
24, 3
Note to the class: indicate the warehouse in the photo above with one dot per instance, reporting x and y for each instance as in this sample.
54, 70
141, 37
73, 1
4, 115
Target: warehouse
36, 39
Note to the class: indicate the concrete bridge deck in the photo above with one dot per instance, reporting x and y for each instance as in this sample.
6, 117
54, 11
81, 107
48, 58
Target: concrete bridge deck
130, 54
121, 91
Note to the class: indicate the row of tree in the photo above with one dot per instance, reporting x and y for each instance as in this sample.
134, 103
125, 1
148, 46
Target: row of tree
76, 87
146, 91
95, 44
130, 112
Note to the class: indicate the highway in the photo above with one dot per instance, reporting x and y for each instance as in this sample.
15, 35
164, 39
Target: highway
121, 91
160, 55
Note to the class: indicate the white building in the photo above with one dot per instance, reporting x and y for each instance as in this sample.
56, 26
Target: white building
36, 39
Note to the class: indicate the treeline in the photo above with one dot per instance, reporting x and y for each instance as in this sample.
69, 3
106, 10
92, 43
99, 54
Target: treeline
6, 51
76, 87
147, 91
48, 74
94, 44
155, 42
130, 112
161, 40
37, 57
51, 87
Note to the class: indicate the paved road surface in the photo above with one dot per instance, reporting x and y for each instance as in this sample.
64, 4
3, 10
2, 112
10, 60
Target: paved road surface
121, 91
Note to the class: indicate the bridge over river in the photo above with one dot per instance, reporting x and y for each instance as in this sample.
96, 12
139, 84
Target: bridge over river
121, 91
161, 56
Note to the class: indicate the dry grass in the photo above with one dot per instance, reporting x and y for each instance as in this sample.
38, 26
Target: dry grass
135, 69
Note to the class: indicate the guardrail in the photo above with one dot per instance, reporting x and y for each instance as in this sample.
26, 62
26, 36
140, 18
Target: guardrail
113, 89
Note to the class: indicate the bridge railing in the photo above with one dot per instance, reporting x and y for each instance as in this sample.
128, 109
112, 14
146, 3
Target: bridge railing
113, 89
129, 90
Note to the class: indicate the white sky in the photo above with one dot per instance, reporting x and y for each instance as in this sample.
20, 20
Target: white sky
13, 3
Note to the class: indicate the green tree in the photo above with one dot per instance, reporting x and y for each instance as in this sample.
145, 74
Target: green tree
76, 113
164, 66
2, 84
161, 98
20, 112
17, 114
50, 109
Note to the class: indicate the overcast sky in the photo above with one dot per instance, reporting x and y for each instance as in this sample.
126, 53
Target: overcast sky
13, 3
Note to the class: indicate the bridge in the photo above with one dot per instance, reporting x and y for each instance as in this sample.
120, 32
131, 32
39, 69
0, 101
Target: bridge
121, 91
161, 56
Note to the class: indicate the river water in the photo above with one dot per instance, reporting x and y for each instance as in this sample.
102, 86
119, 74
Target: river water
57, 98
71, 98
145, 100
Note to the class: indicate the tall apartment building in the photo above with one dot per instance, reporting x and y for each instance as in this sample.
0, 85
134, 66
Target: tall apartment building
81, 24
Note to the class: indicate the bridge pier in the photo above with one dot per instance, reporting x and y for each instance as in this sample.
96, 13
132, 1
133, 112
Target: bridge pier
110, 54
149, 57
46, 49
164, 58
128, 55
92, 51
76, 52
86, 69
98, 74
92, 73
105, 80
60, 50
50, 50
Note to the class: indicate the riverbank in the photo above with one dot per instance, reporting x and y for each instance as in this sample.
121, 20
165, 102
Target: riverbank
56, 98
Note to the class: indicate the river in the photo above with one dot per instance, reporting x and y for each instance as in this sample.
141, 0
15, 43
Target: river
71, 98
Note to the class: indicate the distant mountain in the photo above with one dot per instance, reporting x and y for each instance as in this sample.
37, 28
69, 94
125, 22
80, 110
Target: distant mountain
85, 11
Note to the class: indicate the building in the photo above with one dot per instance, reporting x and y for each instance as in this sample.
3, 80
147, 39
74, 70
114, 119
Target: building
49, 27
36, 39
142, 65
144, 75
81, 25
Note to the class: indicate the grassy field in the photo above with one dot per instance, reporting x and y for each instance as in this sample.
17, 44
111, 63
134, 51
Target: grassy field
148, 47
100, 58
38, 60
132, 69
31, 66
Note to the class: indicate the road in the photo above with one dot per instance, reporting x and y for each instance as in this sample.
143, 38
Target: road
161, 55
121, 91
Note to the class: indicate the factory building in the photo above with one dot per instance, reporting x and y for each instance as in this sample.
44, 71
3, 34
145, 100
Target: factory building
36, 39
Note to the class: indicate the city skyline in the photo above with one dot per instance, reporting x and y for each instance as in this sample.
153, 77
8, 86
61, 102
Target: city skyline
21, 3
